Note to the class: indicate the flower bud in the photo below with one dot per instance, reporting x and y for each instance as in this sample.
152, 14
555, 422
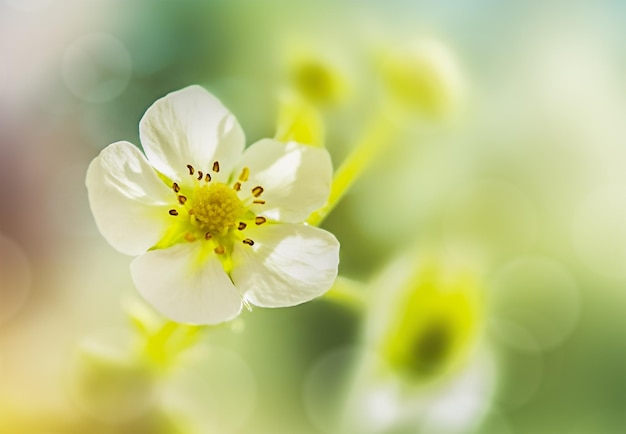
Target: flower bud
423, 79
317, 80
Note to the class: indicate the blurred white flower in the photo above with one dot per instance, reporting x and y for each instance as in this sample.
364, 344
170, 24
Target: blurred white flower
425, 367
215, 226
426, 318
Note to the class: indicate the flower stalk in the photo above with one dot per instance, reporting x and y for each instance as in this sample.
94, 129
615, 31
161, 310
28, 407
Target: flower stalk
347, 292
373, 142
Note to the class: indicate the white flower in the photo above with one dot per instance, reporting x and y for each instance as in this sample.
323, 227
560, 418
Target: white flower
215, 226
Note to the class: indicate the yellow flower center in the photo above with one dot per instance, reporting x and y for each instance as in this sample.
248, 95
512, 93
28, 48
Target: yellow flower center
216, 208
437, 326
214, 211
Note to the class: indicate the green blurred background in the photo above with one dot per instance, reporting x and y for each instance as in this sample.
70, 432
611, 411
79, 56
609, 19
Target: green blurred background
527, 186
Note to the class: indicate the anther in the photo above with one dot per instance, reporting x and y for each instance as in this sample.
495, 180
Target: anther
200, 175
207, 236
190, 167
173, 212
242, 226
216, 167
256, 191
219, 250
190, 237
259, 220
248, 241
245, 172
176, 187
182, 199
207, 177
259, 202
237, 186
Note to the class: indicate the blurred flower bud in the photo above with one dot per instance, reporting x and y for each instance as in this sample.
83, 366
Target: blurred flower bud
163, 340
432, 323
317, 80
110, 384
423, 79
299, 121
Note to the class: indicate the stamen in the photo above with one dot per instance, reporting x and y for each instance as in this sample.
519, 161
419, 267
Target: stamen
242, 226
190, 167
207, 178
182, 199
176, 187
219, 250
173, 212
259, 202
256, 191
216, 167
237, 186
245, 172
200, 175
207, 236
248, 241
259, 220
215, 208
190, 237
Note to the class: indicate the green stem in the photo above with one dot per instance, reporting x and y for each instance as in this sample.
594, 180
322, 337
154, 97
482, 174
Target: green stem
347, 292
372, 143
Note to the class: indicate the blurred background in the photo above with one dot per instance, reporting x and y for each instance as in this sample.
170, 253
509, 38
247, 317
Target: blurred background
517, 173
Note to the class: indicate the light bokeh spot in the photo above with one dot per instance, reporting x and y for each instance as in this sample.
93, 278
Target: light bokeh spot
97, 67
15, 278
521, 364
493, 215
325, 388
599, 231
538, 294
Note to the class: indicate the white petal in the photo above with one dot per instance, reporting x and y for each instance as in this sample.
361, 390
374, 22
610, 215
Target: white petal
129, 202
183, 289
190, 126
295, 178
287, 265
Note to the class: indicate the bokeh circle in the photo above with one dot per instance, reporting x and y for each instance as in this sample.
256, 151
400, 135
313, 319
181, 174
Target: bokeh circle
97, 67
